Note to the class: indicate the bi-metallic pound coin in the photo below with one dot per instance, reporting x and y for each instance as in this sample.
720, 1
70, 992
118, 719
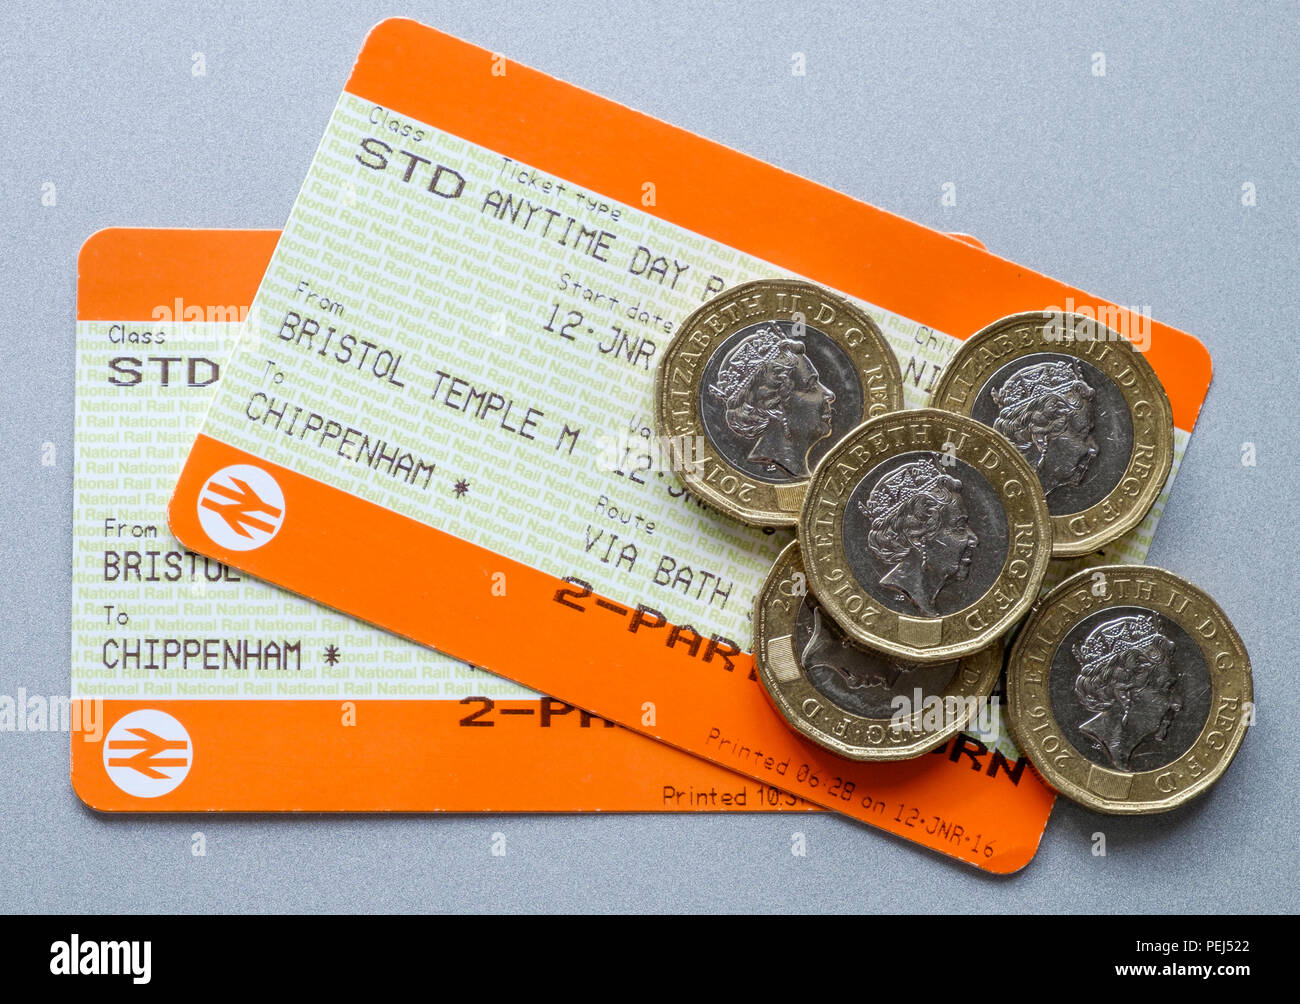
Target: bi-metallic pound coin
1084, 408
759, 383
925, 535
851, 700
1129, 689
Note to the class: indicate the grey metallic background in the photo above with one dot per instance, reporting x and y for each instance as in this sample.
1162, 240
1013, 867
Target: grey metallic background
1128, 186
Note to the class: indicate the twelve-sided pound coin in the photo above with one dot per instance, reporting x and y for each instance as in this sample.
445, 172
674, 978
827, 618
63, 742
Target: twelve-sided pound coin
851, 700
1129, 689
1085, 409
759, 383
925, 535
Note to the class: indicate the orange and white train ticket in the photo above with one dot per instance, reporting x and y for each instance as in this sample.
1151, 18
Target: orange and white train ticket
195, 664
437, 418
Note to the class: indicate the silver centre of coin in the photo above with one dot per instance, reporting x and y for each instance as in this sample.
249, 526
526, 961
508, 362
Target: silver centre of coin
925, 534
1130, 688
773, 400
855, 679
1067, 419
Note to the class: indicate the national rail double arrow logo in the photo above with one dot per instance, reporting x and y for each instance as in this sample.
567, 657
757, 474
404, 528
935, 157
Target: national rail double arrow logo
241, 507
147, 753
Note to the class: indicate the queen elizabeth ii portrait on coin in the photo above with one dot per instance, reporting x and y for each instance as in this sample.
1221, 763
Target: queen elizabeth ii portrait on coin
1046, 410
920, 530
1128, 680
857, 668
856, 679
774, 401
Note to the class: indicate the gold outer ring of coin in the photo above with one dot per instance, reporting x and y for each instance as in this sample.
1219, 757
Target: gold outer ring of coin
812, 714
863, 617
1033, 722
710, 476
1007, 339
